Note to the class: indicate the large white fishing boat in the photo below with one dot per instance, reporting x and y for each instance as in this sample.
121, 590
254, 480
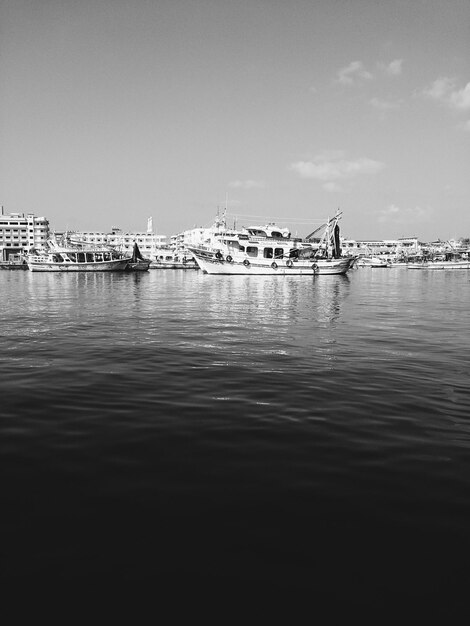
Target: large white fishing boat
70, 256
272, 250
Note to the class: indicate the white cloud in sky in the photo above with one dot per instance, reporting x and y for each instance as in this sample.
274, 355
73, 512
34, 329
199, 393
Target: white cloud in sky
394, 213
352, 73
460, 98
445, 90
330, 171
338, 169
394, 68
331, 187
384, 105
390, 211
440, 88
247, 184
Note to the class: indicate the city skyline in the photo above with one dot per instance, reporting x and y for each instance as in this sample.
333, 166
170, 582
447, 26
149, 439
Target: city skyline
113, 112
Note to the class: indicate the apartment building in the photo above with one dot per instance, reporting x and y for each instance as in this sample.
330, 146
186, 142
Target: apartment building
19, 232
150, 244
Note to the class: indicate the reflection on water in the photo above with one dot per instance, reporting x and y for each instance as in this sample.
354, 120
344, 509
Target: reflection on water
256, 315
267, 300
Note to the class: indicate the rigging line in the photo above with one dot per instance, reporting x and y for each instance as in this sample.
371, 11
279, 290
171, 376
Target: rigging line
280, 219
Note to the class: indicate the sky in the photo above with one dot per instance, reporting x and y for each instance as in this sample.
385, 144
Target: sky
114, 111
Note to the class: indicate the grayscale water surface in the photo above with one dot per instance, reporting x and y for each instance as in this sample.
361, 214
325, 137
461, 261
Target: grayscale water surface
179, 429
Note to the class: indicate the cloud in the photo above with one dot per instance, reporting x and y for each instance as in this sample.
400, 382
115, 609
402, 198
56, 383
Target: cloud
391, 210
394, 68
384, 105
466, 126
331, 187
336, 170
352, 73
460, 99
445, 91
247, 184
440, 88
331, 171
394, 213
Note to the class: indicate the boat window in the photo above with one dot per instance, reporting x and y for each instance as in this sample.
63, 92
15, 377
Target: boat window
81, 257
89, 257
268, 253
252, 251
278, 253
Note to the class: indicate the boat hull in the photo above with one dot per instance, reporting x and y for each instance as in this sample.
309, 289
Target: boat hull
138, 266
115, 265
173, 265
371, 262
281, 268
440, 265
8, 265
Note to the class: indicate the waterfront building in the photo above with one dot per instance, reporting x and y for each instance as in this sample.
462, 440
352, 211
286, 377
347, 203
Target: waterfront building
150, 244
196, 237
20, 232
407, 246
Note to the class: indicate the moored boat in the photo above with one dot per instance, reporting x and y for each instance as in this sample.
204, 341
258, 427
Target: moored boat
169, 260
368, 261
270, 250
440, 265
137, 263
68, 256
13, 265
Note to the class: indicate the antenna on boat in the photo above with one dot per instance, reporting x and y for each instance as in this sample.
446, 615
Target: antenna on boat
327, 239
223, 220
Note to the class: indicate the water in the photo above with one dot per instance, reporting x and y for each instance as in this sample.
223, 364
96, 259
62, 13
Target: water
180, 431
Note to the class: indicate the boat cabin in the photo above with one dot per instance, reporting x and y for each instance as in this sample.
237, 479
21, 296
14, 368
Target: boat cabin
270, 230
75, 257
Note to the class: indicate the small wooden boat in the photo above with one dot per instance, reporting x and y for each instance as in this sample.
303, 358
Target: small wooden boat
137, 263
440, 265
372, 261
13, 265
